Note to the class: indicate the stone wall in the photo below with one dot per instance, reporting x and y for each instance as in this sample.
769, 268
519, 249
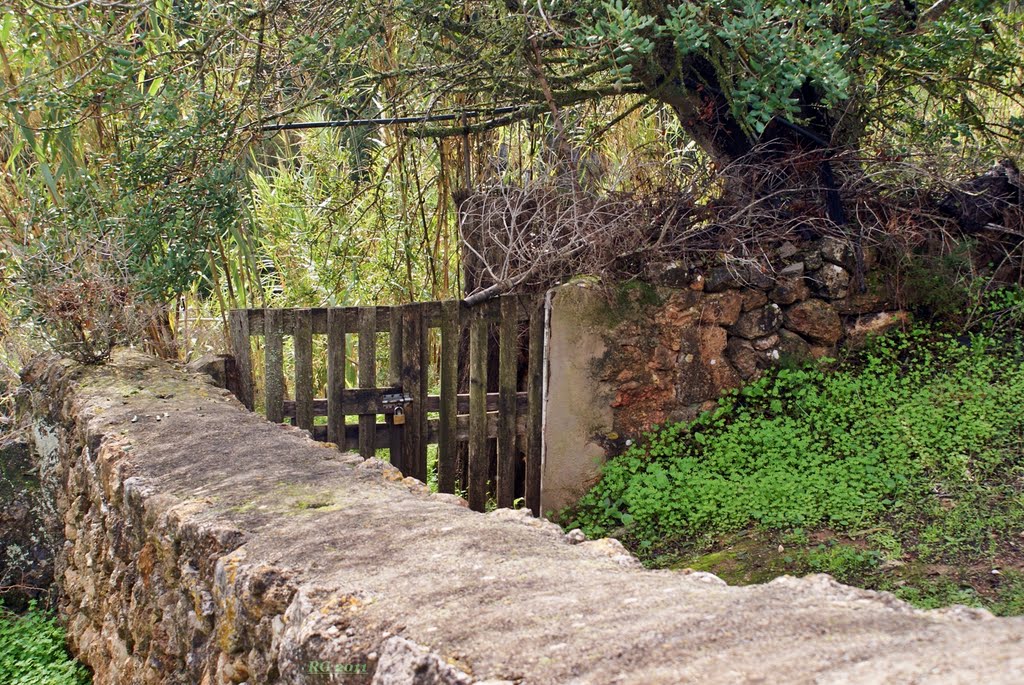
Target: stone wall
28, 534
207, 546
627, 358
674, 350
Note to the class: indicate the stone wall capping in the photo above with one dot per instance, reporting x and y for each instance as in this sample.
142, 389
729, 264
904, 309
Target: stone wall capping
238, 554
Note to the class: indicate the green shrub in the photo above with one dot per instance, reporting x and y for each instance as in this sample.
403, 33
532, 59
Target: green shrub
1010, 597
941, 592
84, 300
844, 562
33, 651
914, 415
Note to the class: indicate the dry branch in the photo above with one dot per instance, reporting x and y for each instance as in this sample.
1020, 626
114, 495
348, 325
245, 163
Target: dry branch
535, 234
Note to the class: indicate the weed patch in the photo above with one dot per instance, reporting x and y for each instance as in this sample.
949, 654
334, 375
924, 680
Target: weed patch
914, 448
33, 651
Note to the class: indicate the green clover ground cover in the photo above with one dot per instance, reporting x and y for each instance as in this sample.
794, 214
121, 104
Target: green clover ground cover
33, 651
910, 453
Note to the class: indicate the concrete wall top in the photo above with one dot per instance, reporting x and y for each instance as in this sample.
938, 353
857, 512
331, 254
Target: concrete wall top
206, 545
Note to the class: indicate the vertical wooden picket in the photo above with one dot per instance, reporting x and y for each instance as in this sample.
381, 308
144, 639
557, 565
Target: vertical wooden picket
414, 448
396, 434
274, 367
447, 454
335, 376
479, 461
508, 338
241, 349
367, 376
419, 394
304, 369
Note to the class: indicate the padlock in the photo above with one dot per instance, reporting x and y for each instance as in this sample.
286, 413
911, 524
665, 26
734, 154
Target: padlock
399, 417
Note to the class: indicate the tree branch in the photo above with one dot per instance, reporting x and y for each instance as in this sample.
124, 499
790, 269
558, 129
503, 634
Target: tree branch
934, 12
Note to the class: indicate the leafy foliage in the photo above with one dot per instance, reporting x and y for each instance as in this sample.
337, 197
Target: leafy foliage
861, 62
33, 652
842, 561
144, 123
919, 414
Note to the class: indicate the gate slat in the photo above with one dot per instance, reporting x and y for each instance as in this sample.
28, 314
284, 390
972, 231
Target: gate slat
535, 383
396, 436
241, 349
447, 455
303, 369
420, 394
367, 376
335, 376
274, 367
478, 452
507, 349
414, 452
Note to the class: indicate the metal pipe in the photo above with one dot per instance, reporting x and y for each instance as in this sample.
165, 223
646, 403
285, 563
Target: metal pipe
390, 121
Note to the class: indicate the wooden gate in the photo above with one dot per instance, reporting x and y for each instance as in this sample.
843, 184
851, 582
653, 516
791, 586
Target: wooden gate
505, 422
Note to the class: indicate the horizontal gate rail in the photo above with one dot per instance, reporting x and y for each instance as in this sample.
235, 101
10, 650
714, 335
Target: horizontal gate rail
488, 438
349, 316
371, 401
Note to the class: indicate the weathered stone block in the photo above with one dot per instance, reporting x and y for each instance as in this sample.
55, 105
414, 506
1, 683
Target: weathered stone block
722, 278
831, 281
792, 271
875, 299
682, 308
758, 323
752, 299
793, 345
789, 290
743, 357
837, 251
751, 358
736, 276
721, 309
704, 371
767, 342
813, 261
787, 250
673, 274
815, 320
863, 327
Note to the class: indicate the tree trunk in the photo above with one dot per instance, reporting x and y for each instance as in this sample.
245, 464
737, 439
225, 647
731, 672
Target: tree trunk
759, 165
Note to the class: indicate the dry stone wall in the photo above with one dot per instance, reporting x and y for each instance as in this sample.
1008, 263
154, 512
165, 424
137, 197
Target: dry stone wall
27, 534
643, 354
679, 346
206, 546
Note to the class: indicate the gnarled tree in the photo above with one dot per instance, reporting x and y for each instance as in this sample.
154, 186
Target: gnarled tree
737, 73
